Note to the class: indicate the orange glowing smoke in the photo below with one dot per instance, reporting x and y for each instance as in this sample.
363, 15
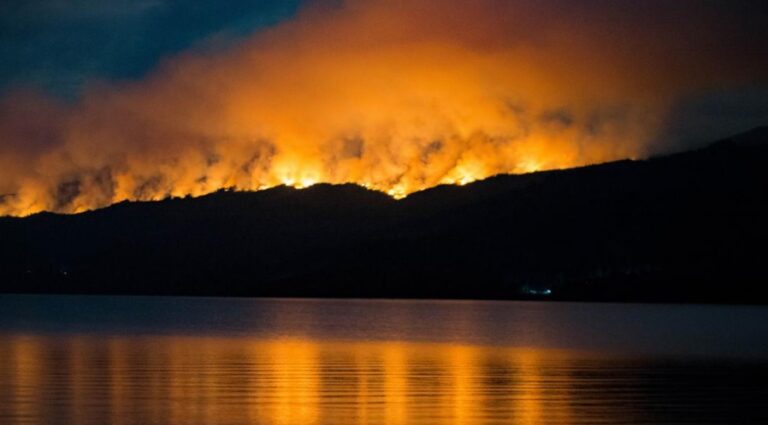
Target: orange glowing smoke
396, 96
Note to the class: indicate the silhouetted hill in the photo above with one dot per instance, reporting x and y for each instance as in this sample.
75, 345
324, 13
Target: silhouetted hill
685, 227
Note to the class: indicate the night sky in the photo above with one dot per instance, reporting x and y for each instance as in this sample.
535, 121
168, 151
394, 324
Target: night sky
59, 45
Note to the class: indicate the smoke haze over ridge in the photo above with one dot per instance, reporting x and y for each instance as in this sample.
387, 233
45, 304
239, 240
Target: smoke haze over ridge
397, 96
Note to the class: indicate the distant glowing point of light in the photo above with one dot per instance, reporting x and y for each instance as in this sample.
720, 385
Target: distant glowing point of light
397, 192
530, 166
305, 183
465, 180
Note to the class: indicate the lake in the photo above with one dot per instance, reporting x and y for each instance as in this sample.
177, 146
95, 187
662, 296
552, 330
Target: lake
173, 360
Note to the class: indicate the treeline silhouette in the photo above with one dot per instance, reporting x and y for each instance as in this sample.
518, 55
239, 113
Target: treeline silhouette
688, 227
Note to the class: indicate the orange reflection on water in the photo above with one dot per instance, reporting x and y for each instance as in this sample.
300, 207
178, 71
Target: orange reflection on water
118, 380
395, 383
288, 388
461, 365
529, 383
189, 380
25, 376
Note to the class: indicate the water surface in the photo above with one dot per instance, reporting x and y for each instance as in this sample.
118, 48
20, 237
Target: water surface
137, 360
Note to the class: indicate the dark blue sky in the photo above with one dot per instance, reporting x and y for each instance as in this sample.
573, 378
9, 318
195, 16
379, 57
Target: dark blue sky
57, 45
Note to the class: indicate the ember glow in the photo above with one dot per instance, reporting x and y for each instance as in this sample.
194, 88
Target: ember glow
393, 96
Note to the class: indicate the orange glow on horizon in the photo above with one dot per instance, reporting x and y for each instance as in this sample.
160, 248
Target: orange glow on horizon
392, 98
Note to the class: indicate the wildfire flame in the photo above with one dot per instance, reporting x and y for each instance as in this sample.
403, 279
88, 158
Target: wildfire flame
393, 96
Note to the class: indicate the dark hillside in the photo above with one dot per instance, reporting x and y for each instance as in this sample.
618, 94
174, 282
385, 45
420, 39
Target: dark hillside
685, 227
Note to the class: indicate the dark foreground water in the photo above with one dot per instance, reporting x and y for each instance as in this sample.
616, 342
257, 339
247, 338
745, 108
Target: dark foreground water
133, 360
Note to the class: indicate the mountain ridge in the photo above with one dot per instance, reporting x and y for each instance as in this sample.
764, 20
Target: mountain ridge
620, 231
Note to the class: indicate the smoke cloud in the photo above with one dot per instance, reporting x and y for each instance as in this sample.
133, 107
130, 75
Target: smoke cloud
396, 96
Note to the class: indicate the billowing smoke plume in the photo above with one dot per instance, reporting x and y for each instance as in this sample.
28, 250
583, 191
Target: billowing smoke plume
393, 95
